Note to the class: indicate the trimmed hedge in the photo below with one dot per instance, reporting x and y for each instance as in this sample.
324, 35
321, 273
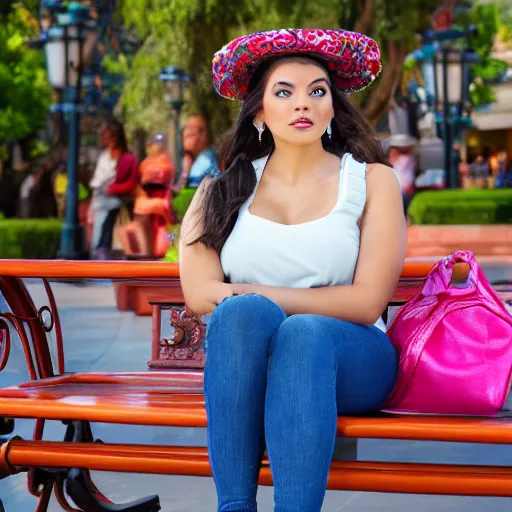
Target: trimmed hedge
173, 251
182, 201
462, 207
29, 238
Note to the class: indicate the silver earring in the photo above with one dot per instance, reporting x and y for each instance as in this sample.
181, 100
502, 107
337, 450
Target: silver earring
329, 131
260, 127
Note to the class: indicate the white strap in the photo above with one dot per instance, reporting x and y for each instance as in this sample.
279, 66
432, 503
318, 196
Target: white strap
259, 166
354, 187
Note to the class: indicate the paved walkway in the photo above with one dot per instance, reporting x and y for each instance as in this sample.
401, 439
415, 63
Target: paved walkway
99, 337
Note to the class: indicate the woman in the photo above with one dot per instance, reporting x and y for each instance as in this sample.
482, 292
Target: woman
402, 156
114, 181
296, 250
146, 235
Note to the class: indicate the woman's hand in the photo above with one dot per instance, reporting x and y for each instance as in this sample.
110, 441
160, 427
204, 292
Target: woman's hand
220, 291
224, 290
243, 288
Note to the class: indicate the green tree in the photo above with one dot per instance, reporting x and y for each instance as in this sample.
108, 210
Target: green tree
488, 22
395, 26
505, 17
25, 94
186, 33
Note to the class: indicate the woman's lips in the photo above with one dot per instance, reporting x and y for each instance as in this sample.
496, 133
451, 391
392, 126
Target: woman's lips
302, 125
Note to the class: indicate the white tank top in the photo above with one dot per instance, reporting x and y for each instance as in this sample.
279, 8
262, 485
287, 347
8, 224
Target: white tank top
322, 252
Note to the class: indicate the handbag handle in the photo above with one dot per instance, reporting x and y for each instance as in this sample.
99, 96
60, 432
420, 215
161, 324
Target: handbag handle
476, 281
440, 277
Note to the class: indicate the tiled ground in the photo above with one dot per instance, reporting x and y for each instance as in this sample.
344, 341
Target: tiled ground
100, 338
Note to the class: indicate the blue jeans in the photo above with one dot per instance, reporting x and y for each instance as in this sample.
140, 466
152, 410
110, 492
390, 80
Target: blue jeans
278, 383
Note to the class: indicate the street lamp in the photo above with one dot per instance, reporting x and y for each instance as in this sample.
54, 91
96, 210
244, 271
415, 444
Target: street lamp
447, 69
452, 77
68, 45
176, 81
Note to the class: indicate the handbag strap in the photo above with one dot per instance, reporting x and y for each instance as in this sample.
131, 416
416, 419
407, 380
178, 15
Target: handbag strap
409, 359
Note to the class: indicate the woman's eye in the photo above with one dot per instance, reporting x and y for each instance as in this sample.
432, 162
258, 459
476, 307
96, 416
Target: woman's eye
320, 91
283, 93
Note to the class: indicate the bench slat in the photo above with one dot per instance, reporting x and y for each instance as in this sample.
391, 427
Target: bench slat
344, 475
64, 269
175, 398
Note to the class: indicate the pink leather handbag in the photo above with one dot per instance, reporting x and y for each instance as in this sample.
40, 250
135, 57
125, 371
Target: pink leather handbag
454, 344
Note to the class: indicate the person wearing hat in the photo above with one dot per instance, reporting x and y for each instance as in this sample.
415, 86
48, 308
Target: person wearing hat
402, 157
295, 250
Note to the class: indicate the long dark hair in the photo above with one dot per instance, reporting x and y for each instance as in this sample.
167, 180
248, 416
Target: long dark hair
116, 128
223, 197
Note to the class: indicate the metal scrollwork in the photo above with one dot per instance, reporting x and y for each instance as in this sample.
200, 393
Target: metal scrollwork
5, 343
46, 318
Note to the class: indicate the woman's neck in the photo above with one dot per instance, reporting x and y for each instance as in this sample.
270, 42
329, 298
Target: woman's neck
292, 161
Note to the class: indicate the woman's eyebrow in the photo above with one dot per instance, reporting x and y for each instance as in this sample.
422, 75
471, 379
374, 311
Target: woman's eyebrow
287, 84
319, 80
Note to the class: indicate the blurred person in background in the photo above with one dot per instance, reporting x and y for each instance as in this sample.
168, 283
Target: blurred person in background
38, 198
146, 235
402, 157
504, 176
480, 171
113, 184
199, 157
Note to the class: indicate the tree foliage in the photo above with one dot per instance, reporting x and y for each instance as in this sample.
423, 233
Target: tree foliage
395, 26
505, 17
24, 91
186, 33
488, 21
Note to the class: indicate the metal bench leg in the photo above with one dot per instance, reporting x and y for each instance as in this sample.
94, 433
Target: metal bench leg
345, 449
6, 427
79, 488
46, 494
84, 493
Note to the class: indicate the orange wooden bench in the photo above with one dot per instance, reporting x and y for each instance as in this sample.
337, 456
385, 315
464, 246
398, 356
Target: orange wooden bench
174, 398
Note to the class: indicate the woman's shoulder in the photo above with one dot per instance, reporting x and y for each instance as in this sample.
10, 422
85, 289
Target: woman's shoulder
380, 173
381, 180
383, 196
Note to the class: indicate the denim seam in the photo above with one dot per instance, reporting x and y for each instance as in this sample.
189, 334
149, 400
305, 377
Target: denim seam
242, 506
213, 320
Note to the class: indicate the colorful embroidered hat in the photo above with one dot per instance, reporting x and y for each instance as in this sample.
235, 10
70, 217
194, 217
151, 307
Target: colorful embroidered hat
353, 59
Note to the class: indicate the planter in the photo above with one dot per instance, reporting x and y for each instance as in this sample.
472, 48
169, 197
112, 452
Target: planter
136, 296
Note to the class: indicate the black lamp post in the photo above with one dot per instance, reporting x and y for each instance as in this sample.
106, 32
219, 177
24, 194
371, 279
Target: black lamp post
176, 82
451, 68
68, 45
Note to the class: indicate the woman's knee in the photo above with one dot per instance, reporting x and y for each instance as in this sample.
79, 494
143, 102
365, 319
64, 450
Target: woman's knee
306, 335
248, 310
244, 321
